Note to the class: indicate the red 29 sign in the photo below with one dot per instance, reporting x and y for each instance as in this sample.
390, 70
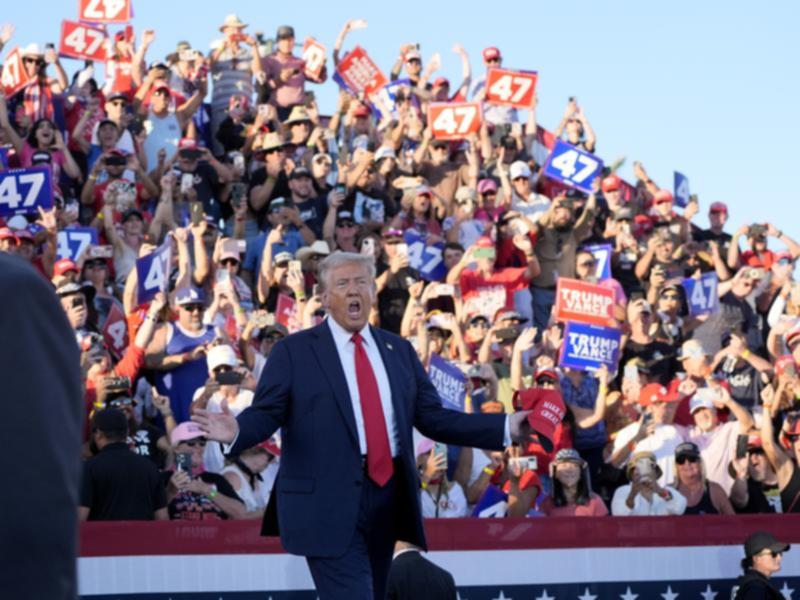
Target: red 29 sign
81, 41
14, 77
104, 11
454, 120
511, 88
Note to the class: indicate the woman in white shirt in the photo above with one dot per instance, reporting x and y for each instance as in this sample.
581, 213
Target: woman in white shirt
644, 496
440, 497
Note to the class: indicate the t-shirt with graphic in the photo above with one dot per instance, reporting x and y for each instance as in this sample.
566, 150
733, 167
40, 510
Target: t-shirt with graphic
189, 506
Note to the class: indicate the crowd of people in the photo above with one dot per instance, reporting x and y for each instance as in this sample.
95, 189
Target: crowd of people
227, 159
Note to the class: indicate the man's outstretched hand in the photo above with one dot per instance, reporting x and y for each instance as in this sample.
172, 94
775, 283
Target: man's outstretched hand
219, 427
519, 428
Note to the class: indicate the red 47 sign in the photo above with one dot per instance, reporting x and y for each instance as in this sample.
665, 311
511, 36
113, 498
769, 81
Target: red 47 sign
360, 73
115, 331
14, 77
104, 11
81, 41
454, 120
511, 88
314, 55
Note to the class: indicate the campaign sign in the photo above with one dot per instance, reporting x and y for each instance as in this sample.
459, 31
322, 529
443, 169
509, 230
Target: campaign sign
286, 313
153, 272
572, 166
492, 503
589, 347
681, 189
701, 294
454, 120
602, 254
511, 88
73, 241
115, 330
384, 101
427, 259
25, 191
486, 301
13, 77
4, 158
359, 73
584, 302
104, 11
314, 56
449, 381
81, 41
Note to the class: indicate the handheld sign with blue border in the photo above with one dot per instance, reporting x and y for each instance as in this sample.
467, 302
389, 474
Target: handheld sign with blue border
701, 294
25, 191
153, 272
449, 381
602, 254
73, 241
427, 259
572, 166
587, 347
681, 189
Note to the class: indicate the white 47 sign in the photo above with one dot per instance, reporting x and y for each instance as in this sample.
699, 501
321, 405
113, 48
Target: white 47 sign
105, 11
454, 120
81, 41
14, 77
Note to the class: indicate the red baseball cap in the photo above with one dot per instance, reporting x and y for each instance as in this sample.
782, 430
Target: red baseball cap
6, 233
491, 53
484, 242
271, 447
441, 81
162, 85
612, 183
361, 111
64, 265
662, 196
655, 392
188, 144
718, 207
548, 412
487, 185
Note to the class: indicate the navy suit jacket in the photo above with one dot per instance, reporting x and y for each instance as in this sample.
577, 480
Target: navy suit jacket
315, 502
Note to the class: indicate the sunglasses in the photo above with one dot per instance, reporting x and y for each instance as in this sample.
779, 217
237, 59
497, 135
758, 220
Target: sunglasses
96, 264
120, 402
346, 224
673, 297
193, 307
164, 93
228, 262
681, 460
273, 151
196, 443
273, 337
118, 103
481, 324
492, 61
770, 553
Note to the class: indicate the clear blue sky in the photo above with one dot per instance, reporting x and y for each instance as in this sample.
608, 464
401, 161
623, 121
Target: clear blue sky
707, 88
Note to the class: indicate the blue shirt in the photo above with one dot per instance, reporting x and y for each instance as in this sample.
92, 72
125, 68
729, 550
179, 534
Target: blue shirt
584, 396
292, 242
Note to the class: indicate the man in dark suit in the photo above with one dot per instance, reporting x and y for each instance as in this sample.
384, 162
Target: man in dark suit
40, 437
347, 396
413, 576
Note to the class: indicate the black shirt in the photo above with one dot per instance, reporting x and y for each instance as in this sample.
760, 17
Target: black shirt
279, 190
754, 586
207, 187
189, 506
120, 485
313, 212
394, 296
744, 380
658, 356
144, 442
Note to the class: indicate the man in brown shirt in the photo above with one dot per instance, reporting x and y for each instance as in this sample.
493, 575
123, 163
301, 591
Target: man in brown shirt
559, 233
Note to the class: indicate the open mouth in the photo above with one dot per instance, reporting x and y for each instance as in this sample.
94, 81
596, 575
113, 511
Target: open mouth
354, 308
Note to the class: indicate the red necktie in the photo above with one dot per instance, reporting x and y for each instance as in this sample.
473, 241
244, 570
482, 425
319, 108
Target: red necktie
379, 454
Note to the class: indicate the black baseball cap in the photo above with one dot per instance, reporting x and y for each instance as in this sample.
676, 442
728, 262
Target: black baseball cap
300, 172
687, 449
763, 540
284, 31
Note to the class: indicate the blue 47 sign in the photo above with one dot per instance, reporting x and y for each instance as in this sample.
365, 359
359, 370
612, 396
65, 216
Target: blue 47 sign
25, 191
701, 294
572, 166
602, 254
427, 259
72, 242
153, 272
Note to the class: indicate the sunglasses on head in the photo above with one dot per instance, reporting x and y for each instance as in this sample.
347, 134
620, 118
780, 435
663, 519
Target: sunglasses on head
684, 459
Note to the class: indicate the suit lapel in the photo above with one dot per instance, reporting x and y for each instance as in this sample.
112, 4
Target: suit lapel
331, 366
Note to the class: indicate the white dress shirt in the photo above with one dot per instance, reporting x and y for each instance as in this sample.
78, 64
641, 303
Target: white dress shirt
346, 350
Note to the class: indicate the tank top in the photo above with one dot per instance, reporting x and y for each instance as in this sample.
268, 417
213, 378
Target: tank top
162, 132
180, 383
704, 507
247, 494
790, 495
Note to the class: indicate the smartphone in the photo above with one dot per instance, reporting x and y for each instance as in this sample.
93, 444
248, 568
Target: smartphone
402, 249
238, 191
237, 158
507, 333
187, 55
531, 462
341, 188
645, 468
262, 109
440, 448
117, 384
631, 372
368, 246
101, 252
741, 446
183, 462
446, 289
519, 227
315, 290
187, 181
296, 265
310, 98
647, 419
229, 378
222, 276
488, 253
196, 210
693, 198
